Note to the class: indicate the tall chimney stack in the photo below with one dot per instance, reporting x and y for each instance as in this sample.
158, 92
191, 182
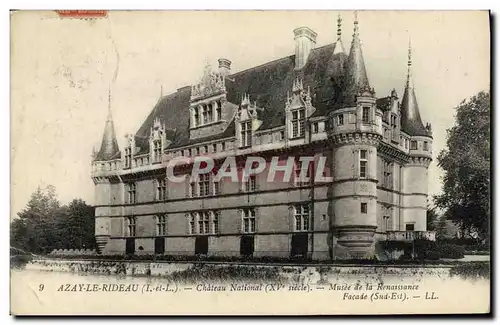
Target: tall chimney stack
224, 67
305, 40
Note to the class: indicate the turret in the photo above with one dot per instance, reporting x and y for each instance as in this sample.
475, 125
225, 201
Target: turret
109, 144
354, 134
415, 171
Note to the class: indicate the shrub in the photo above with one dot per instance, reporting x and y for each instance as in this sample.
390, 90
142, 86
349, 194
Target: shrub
450, 251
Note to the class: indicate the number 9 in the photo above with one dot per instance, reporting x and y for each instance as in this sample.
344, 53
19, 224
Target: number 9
40, 287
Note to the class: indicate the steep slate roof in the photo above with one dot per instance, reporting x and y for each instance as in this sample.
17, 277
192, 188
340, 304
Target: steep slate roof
267, 85
109, 145
411, 122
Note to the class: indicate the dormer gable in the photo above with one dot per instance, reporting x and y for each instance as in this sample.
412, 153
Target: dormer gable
298, 108
247, 121
210, 113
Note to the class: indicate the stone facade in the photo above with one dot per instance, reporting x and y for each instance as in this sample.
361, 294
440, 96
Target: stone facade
377, 164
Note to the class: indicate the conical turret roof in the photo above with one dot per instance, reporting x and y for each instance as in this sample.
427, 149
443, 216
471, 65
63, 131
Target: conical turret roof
355, 76
411, 121
109, 144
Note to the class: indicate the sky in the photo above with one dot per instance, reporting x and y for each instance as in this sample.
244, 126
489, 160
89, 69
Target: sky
62, 69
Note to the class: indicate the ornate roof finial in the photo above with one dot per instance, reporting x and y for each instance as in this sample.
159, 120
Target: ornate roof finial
408, 80
355, 36
339, 47
339, 28
110, 118
245, 101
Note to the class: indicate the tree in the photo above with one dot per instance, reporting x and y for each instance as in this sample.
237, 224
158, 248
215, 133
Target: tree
431, 218
77, 229
441, 228
45, 225
466, 164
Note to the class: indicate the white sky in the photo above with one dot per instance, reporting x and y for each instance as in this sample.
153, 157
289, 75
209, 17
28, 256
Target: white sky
61, 69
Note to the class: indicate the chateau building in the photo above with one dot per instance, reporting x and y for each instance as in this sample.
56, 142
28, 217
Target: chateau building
317, 102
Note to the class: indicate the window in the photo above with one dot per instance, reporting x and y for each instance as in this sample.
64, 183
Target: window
410, 227
203, 222
385, 223
298, 119
340, 120
210, 116
364, 207
128, 157
406, 143
218, 110
206, 114
216, 190
387, 174
196, 117
215, 222
426, 146
251, 183
204, 184
214, 147
192, 224
156, 151
315, 128
298, 170
223, 146
192, 189
366, 114
363, 163
413, 145
246, 134
161, 189
393, 122
195, 151
131, 226
161, 225
248, 221
205, 149
301, 217
282, 135
131, 197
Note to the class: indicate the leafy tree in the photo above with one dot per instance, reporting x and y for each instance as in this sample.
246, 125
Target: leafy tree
441, 228
466, 163
45, 225
431, 218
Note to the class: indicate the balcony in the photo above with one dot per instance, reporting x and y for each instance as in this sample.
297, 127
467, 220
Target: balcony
409, 236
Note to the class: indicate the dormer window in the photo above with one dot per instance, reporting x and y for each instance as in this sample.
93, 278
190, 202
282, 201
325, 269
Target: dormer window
128, 157
393, 122
205, 113
218, 111
246, 134
156, 151
298, 119
196, 117
340, 120
366, 115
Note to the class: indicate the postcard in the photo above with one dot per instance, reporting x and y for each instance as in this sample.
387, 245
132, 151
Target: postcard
250, 162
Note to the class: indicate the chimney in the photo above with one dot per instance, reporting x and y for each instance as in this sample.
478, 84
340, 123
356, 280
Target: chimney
305, 39
224, 67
